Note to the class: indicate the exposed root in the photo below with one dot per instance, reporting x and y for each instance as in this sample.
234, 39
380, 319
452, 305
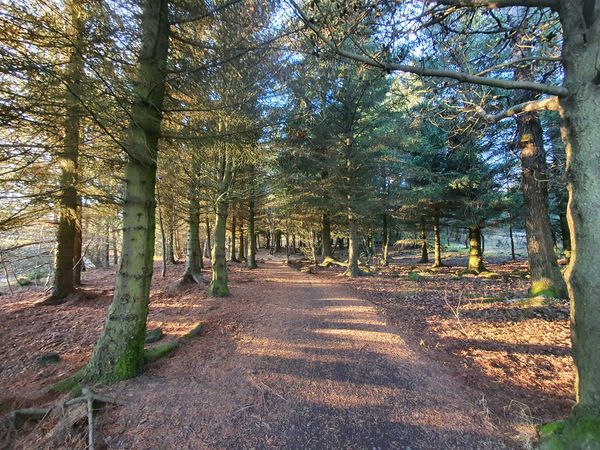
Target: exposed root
64, 414
154, 335
329, 261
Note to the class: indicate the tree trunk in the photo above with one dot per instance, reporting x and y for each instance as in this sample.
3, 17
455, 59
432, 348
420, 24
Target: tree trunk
251, 257
208, 245
437, 243
512, 241
163, 235
294, 249
581, 111
119, 352
232, 256
546, 278
423, 239
385, 240
353, 269
277, 238
68, 159
194, 252
106, 256
475, 255
326, 236
219, 286
313, 245
170, 240
242, 251
566, 236
78, 246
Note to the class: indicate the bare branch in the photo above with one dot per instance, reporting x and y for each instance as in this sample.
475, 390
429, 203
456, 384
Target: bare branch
546, 104
422, 71
495, 4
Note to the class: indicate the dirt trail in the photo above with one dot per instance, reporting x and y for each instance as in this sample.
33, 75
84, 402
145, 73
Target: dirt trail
295, 361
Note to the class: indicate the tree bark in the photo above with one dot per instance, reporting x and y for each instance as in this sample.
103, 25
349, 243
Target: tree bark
78, 246
353, 269
326, 236
68, 159
546, 278
251, 257
437, 243
207, 243
170, 240
106, 256
512, 241
194, 252
581, 110
566, 237
423, 238
232, 256
119, 352
219, 286
242, 250
475, 255
385, 240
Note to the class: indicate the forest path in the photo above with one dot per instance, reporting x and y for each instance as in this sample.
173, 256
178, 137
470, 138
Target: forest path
296, 361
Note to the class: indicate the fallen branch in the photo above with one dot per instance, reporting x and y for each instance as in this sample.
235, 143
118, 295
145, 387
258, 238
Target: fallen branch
455, 312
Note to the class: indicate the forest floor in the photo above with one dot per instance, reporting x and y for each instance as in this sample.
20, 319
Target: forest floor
296, 360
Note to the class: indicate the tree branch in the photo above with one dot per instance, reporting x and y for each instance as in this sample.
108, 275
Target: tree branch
422, 71
546, 104
495, 4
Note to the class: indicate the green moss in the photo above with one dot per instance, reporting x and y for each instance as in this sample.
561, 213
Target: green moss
218, 289
543, 288
414, 276
153, 335
158, 351
489, 275
193, 332
68, 384
572, 434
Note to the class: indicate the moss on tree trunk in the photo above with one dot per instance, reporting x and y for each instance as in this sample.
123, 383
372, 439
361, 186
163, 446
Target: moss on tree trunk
546, 278
119, 352
475, 256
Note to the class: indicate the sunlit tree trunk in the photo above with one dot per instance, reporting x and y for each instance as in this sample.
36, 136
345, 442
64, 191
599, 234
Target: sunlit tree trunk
475, 254
546, 278
119, 352
78, 246
581, 112
437, 243
68, 158
218, 285
232, 255
353, 269
194, 251
251, 257
170, 239
385, 240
